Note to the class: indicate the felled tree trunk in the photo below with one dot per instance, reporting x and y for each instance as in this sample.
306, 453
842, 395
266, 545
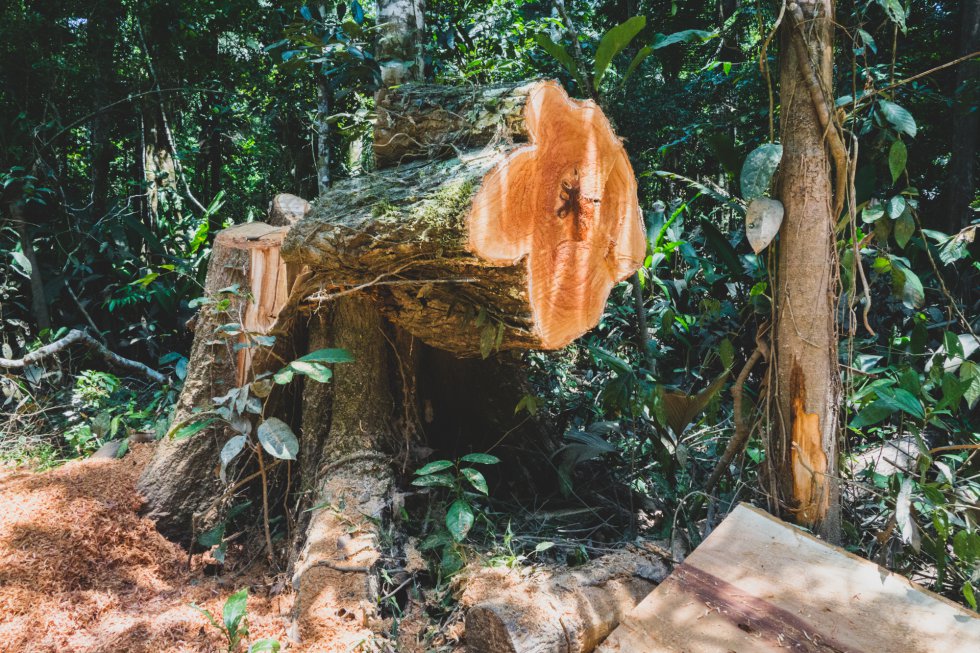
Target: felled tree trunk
509, 247
517, 611
246, 272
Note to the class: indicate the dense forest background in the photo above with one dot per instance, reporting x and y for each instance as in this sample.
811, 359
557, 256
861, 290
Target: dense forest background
131, 132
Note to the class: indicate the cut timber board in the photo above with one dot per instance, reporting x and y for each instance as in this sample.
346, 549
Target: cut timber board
757, 584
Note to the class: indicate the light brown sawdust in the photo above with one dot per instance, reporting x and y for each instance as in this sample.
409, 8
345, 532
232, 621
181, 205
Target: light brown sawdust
81, 571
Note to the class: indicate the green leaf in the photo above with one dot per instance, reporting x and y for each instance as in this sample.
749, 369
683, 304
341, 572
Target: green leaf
907, 284
476, 479
432, 480
459, 519
22, 264
193, 428
873, 413
900, 118
968, 594
327, 356
613, 42
264, 646
284, 376
897, 157
895, 11
896, 207
719, 243
640, 57
900, 399
558, 53
903, 512
480, 458
726, 351
212, 536
904, 229
434, 466
231, 449
684, 36
970, 377
234, 610
872, 213
278, 439
543, 546
759, 167
315, 371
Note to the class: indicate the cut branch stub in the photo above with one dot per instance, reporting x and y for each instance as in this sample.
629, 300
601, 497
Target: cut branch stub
514, 246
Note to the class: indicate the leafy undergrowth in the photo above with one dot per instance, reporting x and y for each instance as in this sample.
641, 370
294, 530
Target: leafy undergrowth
81, 571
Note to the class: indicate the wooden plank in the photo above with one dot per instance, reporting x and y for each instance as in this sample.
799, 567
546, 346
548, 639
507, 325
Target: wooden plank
757, 584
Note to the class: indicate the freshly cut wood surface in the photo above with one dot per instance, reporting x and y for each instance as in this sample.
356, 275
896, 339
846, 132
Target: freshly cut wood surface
286, 209
757, 584
514, 246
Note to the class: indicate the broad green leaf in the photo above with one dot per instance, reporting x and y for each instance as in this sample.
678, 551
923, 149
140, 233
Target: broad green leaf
896, 207
431, 480
481, 458
872, 213
459, 519
284, 376
719, 243
903, 512
327, 356
899, 117
193, 428
264, 646
234, 610
212, 536
726, 351
278, 439
871, 414
434, 466
315, 371
476, 479
231, 449
970, 378
684, 36
898, 155
907, 285
759, 167
613, 42
904, 229
558, 53
762, 220
543, 546
895, 12
640, 57
900, 399
21, 264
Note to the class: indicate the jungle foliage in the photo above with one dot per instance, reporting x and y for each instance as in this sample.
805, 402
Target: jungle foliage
131, 132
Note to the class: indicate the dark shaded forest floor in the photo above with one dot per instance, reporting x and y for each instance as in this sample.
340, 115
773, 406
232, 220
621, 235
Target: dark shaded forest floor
81, 571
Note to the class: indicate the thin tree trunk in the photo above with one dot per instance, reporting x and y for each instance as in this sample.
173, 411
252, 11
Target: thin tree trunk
39, 301
807, 389
961, 180
323, 139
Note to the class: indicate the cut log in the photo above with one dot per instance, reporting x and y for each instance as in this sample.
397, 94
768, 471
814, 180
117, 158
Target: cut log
510, 247
245, 272
286, 210
544, 611
430, 121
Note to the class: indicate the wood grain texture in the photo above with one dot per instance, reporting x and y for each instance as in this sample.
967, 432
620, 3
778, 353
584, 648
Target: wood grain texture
757, 584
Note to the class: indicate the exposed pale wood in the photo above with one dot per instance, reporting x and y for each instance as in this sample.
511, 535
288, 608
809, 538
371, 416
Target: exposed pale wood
549, 611
757, 584
522, 240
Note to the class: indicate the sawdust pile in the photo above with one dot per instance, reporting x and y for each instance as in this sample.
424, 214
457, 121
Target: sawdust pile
81, 571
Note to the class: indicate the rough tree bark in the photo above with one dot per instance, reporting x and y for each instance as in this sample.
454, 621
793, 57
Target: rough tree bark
807, 393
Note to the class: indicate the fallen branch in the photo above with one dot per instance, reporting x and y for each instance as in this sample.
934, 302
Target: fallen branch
81, 337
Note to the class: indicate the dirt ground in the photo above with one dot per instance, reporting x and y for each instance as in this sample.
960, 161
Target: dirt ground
81, 571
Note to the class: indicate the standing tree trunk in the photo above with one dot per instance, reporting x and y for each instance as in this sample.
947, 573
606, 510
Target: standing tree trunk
39, 300
807, 390
961, 178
